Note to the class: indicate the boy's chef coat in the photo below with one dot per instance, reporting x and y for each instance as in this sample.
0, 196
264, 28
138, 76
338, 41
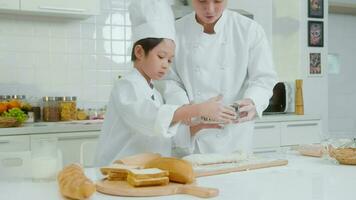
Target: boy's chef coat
136, 121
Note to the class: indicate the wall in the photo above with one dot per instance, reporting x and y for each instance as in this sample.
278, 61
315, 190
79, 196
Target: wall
262, 11
291, 54
342, 90
42, 56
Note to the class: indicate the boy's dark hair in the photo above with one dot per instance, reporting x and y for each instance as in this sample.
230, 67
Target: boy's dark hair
147, 44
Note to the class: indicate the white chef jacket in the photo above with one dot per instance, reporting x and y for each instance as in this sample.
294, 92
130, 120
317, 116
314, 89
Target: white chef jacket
136, 121
236, 62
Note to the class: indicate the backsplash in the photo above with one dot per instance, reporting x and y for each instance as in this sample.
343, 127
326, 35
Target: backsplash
47, 56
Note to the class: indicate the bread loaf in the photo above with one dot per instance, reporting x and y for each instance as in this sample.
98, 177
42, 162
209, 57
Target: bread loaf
180, 171
74, 184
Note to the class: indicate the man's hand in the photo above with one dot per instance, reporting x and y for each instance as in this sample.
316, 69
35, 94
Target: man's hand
196, 128
247, 110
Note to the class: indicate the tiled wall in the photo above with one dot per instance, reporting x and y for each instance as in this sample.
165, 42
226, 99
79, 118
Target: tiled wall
342, 90
43, 56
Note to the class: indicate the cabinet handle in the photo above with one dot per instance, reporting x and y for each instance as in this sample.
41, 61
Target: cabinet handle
4, 141
77, 138
299, 125
61, 9
265, 127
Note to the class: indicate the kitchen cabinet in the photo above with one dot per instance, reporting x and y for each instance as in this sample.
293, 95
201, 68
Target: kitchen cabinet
266, 136
14, 143
69, 143
9, 4
274, 133
64, 8
301, 132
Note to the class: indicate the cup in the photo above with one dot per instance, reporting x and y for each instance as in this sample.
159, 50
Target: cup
44, 159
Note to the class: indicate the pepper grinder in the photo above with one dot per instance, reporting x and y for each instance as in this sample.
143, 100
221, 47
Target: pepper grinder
299, 103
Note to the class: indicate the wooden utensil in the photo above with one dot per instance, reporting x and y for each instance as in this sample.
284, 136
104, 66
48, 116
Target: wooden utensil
122, 188
273, 163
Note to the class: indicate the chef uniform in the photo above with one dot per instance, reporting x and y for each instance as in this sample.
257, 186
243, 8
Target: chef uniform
136, 120
235, 61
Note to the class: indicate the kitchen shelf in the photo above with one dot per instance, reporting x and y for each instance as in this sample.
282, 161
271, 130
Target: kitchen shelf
342, 8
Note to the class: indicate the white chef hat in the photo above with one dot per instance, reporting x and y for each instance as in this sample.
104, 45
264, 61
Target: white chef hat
151, 19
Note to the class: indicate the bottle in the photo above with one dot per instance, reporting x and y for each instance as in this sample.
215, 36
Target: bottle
299, 103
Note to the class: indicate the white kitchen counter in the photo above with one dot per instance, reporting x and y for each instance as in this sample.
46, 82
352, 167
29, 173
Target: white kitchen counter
304, 178
53, 127
95, 125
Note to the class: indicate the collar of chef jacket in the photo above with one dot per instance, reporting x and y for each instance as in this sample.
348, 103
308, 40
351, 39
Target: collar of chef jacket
219, 26
148, 89
196, 30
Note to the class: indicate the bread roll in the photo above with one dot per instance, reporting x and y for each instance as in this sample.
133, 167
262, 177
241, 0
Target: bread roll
74, 184
180, 171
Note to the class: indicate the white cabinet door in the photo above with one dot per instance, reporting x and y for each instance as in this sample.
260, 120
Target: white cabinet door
9, 4
300, 132
266, 136
69, 144
14, 143
65, 7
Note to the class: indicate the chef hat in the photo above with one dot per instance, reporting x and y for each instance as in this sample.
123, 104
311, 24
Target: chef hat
151, 19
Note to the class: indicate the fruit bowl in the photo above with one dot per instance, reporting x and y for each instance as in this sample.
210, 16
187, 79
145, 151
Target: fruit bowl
6, 122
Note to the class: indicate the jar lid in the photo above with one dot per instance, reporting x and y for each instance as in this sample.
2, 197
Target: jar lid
68, 98
21, 97
47, 98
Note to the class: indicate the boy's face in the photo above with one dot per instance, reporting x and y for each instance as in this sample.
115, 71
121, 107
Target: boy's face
209, 11
158, 60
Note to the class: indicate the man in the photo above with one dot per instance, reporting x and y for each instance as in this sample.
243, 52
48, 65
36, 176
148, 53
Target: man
220, 52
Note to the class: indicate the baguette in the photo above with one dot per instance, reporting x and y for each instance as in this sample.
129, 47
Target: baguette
74, 184
180, 171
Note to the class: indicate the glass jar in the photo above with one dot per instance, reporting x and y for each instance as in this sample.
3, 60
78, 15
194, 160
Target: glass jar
50, 109
68, 108
36, 108
45, 161
5, 97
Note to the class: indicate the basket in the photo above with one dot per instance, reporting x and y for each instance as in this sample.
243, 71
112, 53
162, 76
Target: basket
6, 122
346, 156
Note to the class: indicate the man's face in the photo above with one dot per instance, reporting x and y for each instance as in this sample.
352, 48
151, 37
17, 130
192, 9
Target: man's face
209, 11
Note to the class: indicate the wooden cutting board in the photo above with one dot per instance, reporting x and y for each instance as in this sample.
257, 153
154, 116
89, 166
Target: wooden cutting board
210, 170
122, 188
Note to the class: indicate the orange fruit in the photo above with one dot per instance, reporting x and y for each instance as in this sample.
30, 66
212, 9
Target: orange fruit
13, 104
3, 107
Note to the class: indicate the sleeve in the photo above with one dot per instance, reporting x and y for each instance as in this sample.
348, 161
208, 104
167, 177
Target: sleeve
143, 115
173, 92
261, 73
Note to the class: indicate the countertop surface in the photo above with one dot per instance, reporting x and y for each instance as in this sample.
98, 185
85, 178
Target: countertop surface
53, 127
95, 125
304, 178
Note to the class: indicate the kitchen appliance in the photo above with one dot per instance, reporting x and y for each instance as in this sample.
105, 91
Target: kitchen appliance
282, 100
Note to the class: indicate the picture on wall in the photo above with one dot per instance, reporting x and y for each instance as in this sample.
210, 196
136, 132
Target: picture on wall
316, 8
315, 64
316, 33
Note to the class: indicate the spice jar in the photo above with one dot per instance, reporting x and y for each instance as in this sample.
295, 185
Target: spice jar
50, 109
68, 108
